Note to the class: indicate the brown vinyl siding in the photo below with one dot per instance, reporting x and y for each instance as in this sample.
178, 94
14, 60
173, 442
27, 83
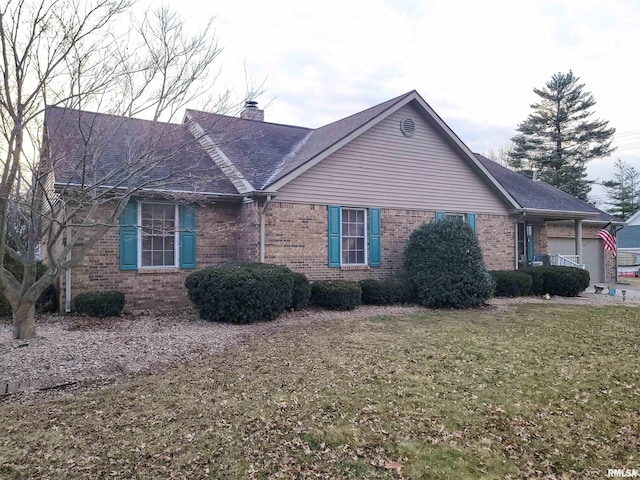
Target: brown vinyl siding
383, 168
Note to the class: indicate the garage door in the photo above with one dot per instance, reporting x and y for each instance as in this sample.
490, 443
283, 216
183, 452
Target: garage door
592, 254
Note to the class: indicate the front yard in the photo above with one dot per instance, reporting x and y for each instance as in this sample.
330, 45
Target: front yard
522, 391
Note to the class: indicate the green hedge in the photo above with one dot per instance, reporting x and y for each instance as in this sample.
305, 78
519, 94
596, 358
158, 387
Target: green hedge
301, 293
511, 283
336, 294
380, 292
99, 304
561, 281
246, 293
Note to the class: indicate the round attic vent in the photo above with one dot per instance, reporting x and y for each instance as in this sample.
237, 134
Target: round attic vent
408, 127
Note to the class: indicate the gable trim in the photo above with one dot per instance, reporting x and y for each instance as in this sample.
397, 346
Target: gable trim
233, 174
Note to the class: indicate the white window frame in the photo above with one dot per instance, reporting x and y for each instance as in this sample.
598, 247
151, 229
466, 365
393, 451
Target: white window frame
366, 238
176, 234
454, 215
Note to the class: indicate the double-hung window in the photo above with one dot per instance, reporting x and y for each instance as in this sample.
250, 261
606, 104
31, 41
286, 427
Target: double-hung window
468, 218
354, 236
157, 235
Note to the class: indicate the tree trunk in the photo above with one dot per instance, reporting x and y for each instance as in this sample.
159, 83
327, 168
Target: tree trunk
24, 319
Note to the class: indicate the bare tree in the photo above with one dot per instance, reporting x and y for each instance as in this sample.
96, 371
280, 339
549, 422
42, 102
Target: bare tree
68, 53
500, 155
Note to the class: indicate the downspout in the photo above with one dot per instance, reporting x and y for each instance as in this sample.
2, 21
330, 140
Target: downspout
67, 274
262, 227
515, 236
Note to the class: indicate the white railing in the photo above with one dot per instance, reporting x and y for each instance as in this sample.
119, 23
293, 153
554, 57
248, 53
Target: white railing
566, 261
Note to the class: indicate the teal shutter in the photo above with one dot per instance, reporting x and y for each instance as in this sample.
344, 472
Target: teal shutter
530, 242
334, 236
471, 221
439, 216
374, 237
129, 236
187, 236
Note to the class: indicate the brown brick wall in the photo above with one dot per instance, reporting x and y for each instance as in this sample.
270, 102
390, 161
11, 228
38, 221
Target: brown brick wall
216, 242
296, 236
248, 246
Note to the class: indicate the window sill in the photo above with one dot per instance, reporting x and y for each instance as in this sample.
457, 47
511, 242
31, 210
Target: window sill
157, 270
354, 267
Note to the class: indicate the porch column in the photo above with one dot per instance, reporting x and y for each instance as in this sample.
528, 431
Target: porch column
578, 227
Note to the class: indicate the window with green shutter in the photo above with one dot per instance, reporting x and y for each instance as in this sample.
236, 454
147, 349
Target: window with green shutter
354, 236
157, 234
468, 218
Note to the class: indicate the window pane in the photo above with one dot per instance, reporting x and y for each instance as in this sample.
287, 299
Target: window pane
158, 234
360, 257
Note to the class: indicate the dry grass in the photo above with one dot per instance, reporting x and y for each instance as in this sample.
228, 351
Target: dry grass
523, 392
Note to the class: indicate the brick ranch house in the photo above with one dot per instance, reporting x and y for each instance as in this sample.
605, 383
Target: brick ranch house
338, 201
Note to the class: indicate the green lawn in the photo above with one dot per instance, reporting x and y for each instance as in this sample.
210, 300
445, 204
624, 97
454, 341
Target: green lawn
530, 391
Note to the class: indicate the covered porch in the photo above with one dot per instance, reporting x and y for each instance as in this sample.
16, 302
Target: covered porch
534, 247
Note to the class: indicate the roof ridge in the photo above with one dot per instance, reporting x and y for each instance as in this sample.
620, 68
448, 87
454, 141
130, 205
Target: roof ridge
239, 119
296, 148
112, 115
391, 101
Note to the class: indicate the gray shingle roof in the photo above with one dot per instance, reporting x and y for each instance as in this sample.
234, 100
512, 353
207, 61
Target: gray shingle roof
539, 195
119, 151
256, 148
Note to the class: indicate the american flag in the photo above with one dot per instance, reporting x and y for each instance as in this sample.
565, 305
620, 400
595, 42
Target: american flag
608, 240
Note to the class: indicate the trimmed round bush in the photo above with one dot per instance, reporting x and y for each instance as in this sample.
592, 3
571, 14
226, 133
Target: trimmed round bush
511, 283
336, 294
99, 304
380, 292
241, 293
444, 267
561, 281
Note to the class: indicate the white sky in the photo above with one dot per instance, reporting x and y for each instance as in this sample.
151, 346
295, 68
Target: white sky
475, 62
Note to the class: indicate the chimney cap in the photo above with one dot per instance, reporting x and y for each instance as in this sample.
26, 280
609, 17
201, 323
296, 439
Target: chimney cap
251, 104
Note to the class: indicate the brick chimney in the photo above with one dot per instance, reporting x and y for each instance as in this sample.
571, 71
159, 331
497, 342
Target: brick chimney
252, 112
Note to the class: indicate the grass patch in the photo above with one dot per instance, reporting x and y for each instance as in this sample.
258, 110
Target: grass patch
530, 392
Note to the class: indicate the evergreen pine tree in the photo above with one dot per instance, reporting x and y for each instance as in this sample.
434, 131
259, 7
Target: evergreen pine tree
624, 190
559, 137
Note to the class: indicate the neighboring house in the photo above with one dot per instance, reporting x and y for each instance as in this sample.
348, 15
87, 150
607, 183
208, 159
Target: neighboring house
629, 246
338, 201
